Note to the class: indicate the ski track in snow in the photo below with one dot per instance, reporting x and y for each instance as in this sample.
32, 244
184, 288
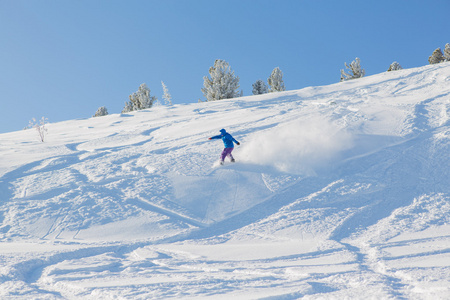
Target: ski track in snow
339, 192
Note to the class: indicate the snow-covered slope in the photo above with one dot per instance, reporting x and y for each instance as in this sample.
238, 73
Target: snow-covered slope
338, 191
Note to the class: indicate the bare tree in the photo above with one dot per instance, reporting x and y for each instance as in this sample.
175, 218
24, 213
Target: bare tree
40, 127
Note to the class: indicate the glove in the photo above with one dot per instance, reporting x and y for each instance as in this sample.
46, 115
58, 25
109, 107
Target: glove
209, 138
238, 143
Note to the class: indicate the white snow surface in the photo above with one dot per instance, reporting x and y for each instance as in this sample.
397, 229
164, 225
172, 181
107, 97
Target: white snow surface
338, 192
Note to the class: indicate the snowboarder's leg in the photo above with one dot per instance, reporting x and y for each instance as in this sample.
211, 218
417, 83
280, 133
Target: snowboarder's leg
226, 153
230, 155
223, 155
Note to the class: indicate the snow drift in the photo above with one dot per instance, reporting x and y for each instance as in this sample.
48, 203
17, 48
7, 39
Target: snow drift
339, 192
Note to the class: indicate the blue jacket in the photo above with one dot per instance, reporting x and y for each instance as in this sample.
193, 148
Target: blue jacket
226, 138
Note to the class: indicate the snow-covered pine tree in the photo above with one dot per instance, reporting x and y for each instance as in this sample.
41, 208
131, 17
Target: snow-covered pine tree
259, 87
139, 100
275, 81
447, 52
436, 57
395, 66
355, 70
101, 111
128, 107
167, 97
223, 84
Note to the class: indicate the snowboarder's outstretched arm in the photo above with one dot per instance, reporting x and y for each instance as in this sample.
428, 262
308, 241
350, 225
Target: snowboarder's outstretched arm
228, 141
227, 138
215, 137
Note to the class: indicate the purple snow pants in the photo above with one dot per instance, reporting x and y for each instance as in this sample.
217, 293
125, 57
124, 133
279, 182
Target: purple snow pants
226, 152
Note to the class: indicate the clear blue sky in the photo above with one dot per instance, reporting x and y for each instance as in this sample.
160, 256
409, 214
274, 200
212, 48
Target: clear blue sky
63, 59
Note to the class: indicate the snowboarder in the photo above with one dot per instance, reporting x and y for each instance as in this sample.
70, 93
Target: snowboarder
228, 141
